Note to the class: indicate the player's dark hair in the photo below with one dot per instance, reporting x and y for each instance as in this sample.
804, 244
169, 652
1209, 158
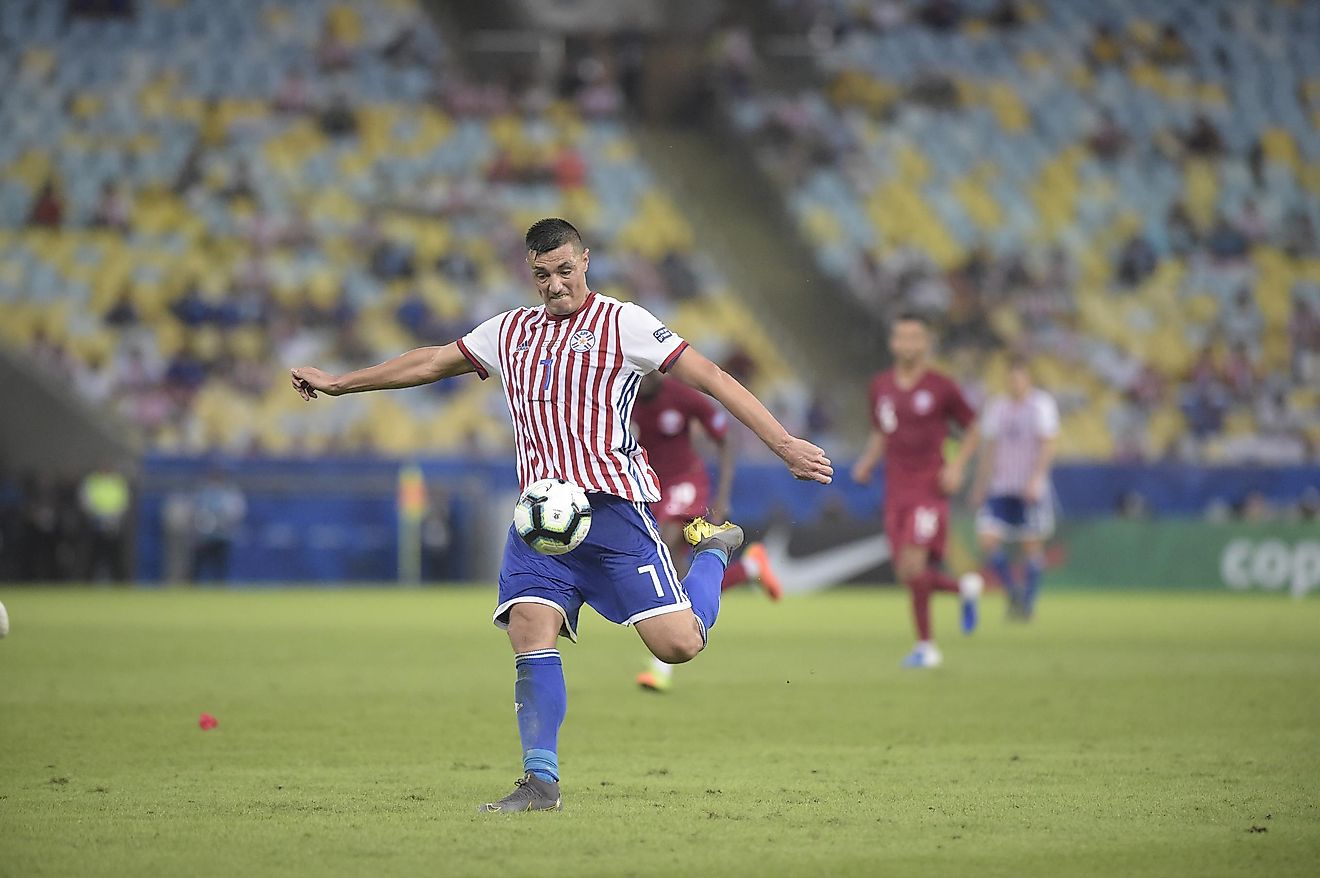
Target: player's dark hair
550, 234
1019, 360
912, 317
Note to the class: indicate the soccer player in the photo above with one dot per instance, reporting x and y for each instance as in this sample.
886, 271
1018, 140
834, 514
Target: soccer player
912, 406
570, 369
1012, 486
664, 418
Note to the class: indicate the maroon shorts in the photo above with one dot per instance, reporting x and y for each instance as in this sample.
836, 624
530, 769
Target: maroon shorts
683, 498
923, 523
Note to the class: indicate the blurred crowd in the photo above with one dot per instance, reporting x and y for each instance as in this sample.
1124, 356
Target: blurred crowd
313, 182
1127, 192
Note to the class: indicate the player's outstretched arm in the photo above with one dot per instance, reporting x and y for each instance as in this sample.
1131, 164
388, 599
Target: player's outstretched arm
803, 459
865, 465
419, 366
984, 465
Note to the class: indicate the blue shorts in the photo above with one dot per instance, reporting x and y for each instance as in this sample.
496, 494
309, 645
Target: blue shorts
622, 569
1010, 517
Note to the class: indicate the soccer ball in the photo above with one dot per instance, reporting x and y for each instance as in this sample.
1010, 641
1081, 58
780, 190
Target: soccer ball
552, 516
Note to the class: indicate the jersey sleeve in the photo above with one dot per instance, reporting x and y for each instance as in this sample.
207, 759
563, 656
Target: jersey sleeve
481, 346
648, 345
957, 406
1047, 416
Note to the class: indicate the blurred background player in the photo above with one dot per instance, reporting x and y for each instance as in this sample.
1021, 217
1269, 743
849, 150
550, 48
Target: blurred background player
1012, 489
912, 406
663, 417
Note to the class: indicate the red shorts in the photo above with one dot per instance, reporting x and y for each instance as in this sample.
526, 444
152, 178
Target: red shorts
923, 523
683, 499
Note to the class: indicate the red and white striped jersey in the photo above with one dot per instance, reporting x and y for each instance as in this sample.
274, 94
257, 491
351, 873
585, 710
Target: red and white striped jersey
570, 383
1018, 429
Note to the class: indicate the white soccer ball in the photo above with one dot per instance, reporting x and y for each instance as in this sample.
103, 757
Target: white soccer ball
552, 516
4, 621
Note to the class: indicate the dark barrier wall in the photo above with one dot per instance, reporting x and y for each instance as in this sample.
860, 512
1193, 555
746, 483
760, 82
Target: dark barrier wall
338, 519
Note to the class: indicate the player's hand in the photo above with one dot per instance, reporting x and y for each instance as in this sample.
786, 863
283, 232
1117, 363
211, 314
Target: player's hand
1034, 491
807, 461
861, 472
951, 479
308, 380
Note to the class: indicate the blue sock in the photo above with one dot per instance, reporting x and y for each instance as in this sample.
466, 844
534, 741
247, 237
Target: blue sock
1035, 568
541, 700
1004, 570
703, 584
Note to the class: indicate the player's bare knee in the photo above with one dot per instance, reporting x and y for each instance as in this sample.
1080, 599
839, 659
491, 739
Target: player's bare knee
532, 626
679, 648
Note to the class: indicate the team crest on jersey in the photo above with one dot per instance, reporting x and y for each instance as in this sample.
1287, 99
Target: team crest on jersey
582, 341
922, 401
671, 422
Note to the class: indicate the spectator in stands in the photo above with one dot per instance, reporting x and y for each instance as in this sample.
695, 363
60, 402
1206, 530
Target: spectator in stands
1240, 371
51, 355
1128, 421
185, 374
1006, 15
123, 313
1136, 261
1182, 233
1107, 139
1106, 49
734, 57
941, 15
294, 94
1203, 139
1304, 335
1170, 49
218, 510
337, 118
1252, 222
1299, 239
569, 168
1241, 322
1225, 241
1204, 406
104, 498
332, 53
48, 207
113, 210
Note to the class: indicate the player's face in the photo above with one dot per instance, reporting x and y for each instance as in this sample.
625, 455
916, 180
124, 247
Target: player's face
1019, 382
560, 276
909, 342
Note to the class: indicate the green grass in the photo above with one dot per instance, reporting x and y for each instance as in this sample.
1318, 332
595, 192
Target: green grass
1121, 734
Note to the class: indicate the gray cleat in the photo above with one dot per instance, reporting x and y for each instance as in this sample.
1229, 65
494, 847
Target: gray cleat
530, 793
702, 535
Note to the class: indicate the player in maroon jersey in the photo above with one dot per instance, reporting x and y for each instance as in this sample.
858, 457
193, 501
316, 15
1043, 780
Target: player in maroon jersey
664, 417
912, 406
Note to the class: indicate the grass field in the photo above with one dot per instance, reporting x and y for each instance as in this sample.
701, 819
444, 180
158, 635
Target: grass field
1120, 735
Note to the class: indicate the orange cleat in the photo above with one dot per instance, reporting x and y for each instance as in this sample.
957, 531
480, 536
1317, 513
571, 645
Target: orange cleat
654, 682
766, 577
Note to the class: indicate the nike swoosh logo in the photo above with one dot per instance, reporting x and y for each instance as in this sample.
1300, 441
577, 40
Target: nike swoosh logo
808, 573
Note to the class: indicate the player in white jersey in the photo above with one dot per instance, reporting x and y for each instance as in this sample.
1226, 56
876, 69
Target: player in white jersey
1012, 489
570, 369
